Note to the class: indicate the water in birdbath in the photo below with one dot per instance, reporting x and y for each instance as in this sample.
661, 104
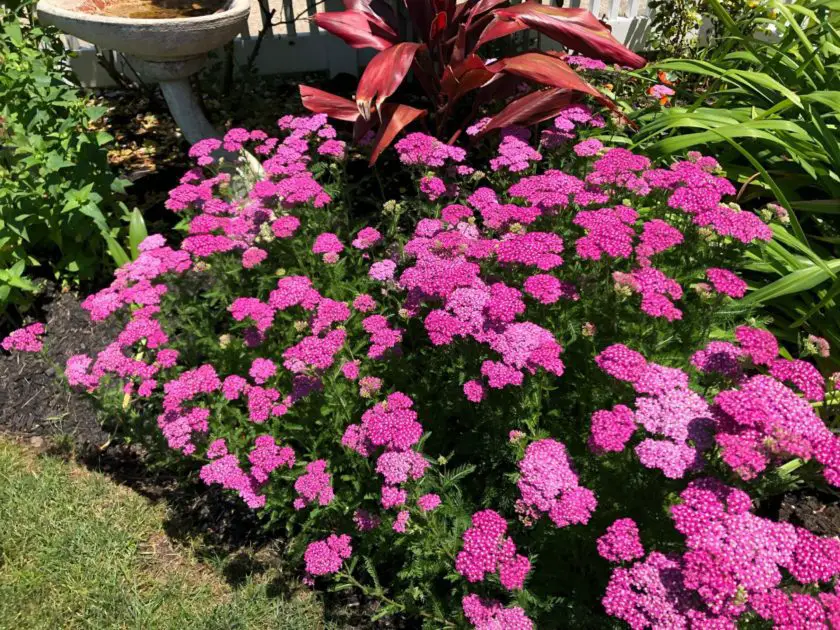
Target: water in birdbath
153, 9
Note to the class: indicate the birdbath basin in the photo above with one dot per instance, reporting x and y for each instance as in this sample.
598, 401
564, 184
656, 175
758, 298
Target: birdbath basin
165, 41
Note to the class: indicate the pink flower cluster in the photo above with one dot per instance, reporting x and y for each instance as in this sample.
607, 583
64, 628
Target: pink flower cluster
732, 565
314, 485
515, 154
621, 542
486, 550
26, 339
491, 615
679, 418
549, 485
392, 427
423, 150
324, 557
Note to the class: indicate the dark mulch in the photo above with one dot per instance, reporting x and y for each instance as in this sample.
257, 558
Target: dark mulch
820, 515
33, 399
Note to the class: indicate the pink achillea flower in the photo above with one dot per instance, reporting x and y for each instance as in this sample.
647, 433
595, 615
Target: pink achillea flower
268, 456
586, 63
428, 502
423, 150
657, 291
719, 357
764, 419
500, 375
474, 391
392, 425
397, 466
382, 338
760, 345
324, 557
548, 289
364, 303
622, 363
538, 249
549, 485
611, 430
225, 470
432, 187
726, 282
328, 313
455, 213
315, 484
588, 148
401, 522
802, 374
233, 386
515, 436
673, 458
608, 231
490, 615
328, 244
285, 227
350, 370
621, 542
314, 352
26, 339
549, 191
262, 370
486, 549
514, 153
253, 256
393, 497
383, 270
367, 238
216, 449
657, 236
333, 148
260, 313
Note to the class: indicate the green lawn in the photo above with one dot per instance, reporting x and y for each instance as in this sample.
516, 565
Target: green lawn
79, 551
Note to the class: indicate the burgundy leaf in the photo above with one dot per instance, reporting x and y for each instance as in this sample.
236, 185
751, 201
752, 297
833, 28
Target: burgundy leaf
321, 102
357, 29
577, 29
383, 75
551, 71
379, 8
499, 27
484, 5
460, 78
545, 70
530, 109
438, 26
395, 118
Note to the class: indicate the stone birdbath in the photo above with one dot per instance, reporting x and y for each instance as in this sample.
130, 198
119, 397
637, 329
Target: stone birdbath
166, 41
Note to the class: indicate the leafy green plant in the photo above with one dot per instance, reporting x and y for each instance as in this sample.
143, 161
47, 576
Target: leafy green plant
770, 107
673, 27
58, 196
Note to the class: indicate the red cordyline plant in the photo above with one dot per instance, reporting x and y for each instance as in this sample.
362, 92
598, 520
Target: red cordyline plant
446, 63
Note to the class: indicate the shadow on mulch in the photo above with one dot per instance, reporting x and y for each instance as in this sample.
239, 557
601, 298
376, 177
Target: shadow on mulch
36, 404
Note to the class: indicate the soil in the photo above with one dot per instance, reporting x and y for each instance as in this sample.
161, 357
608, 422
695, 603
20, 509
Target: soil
33, 400
819, 515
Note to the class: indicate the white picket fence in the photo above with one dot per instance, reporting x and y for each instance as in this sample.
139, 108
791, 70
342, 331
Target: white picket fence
294, 44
